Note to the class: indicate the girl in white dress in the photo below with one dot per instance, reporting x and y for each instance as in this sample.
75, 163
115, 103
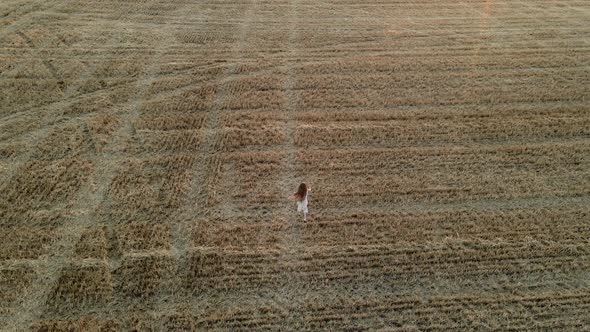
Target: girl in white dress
301, 196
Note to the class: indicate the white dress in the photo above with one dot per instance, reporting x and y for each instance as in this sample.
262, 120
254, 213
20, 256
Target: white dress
302, 205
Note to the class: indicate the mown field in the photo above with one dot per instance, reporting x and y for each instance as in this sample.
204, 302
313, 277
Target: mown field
148, 147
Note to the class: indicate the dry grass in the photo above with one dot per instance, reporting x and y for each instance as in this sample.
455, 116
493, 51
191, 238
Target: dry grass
40, 184
146, 276
14, 280
81, 287
136, 237
93, 244
26, 242
147, 149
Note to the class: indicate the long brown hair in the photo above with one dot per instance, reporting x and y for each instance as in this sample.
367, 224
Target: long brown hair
301, 192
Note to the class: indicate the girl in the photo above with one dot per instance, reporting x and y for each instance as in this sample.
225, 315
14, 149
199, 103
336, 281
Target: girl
301, 196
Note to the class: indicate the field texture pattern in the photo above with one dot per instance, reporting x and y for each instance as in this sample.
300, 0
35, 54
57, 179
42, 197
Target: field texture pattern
148, 149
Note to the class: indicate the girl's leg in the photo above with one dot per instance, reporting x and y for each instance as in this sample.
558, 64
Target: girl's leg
304, 216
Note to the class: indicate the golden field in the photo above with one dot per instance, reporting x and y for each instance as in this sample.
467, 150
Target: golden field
148, 149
